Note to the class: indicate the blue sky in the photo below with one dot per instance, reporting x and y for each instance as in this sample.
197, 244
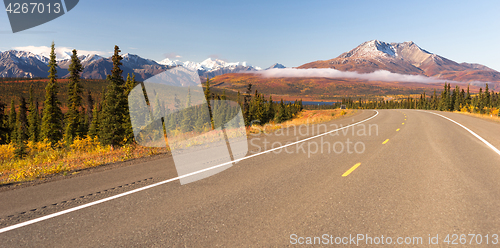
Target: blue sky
265, 32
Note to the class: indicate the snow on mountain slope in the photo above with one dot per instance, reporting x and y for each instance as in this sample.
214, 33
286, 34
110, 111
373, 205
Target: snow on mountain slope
404, 58
169, 62
371, 49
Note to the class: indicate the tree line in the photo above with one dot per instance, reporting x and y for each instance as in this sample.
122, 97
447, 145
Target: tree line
448, 100
109, 119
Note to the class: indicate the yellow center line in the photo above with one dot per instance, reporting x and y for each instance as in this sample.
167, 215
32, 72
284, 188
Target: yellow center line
403, 123
397, 130
387, 140
351, 170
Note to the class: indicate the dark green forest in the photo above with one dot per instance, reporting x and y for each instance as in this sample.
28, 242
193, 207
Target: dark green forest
449, 99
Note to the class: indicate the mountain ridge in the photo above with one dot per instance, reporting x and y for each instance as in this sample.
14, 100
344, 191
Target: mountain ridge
405, 58
25, 64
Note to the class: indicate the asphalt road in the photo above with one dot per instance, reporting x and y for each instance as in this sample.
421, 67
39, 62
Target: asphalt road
419, 179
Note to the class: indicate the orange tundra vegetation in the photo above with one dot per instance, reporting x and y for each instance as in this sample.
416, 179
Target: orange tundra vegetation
322, 88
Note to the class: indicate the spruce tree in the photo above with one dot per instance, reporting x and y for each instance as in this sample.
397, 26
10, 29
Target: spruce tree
280, 115
90, 105
271, 112
187, 118
434, 101
12, 122
208, 96
4, 129
33, 118
247, 114
94, 124
444, 100
480, 100
114, 122
450, 98
487, 97
51, 128
468, 97
75, 115
458, 99
22, 129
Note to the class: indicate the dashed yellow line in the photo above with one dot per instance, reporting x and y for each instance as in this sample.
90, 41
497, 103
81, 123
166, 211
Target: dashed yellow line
387, 140
351, 170
403, 123
397, 130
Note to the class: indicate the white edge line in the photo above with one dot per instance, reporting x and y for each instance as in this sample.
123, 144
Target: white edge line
470, 131
9, 228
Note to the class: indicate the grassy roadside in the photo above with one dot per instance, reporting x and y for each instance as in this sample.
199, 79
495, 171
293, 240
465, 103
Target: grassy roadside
44, 160
304, 117
492, 117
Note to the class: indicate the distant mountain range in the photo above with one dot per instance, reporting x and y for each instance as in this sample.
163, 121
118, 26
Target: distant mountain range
405, 58
28, 65
413, 71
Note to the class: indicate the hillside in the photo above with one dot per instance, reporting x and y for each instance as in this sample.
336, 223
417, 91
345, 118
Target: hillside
323, 88
405, 58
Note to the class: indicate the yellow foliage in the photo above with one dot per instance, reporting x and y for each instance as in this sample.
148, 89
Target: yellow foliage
43, 159
87, 144
7, 152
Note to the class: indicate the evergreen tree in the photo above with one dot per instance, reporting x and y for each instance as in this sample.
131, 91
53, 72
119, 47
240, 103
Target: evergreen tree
247, 115
51, 128
33, 118
88, 111
271, 111
22, 129
4, 129
458, 100
487, 97
468, 97
434, 102
480, 101
115, 126
449, 98
202, 120
443, 102
75, 115
12, 122
207, 96
130, 84
281, 115
94, 124
187, 118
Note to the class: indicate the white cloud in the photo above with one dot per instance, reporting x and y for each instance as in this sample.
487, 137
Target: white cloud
61, 52
380, 75
172, 55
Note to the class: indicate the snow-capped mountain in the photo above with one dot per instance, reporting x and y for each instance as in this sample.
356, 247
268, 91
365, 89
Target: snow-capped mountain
212, 67
405, 58
169, 62
276, 66
22, 64
26, 64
